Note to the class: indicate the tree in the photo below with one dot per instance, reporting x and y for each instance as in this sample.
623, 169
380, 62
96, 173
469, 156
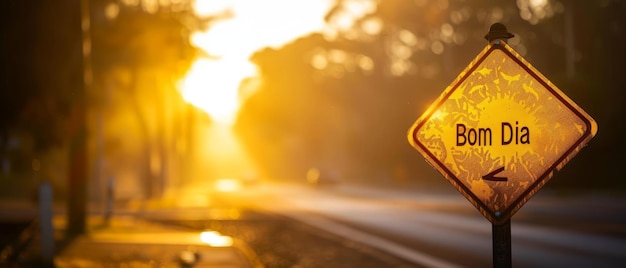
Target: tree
138, 55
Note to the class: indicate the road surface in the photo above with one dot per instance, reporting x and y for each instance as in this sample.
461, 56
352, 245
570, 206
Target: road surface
444, 230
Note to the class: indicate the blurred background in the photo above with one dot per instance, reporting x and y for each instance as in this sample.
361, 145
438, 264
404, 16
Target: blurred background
158, 94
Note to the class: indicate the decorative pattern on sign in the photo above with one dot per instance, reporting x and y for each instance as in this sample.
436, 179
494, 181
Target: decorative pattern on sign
499, 128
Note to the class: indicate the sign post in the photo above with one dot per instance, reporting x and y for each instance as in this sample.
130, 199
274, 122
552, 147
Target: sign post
501, 236
499, 132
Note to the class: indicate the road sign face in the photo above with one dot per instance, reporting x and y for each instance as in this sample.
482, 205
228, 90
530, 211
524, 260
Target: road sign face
499, 131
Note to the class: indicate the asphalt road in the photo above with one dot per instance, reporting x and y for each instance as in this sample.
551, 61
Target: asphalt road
444, 230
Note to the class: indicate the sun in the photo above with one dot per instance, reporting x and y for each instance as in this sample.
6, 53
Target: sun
213, 86
240, 28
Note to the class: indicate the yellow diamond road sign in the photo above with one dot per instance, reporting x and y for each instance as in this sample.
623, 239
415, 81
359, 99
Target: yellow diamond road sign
499, 131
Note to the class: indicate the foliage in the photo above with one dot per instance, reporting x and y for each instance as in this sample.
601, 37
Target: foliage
355, 121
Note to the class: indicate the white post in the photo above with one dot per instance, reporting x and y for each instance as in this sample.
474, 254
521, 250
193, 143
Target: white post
45, 222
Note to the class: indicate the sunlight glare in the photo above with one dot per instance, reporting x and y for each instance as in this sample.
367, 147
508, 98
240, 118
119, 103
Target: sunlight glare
213, 86
215, 239
227, 185
213, 82
220, 81
207, 8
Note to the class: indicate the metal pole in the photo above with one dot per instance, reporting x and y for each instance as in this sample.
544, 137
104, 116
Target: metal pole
77, 181
501, 234
501, 245
45, 222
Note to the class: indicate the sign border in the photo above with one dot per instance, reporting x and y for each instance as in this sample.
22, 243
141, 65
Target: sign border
503, 216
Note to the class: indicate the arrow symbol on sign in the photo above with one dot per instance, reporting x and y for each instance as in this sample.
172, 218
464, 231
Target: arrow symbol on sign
491, 176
